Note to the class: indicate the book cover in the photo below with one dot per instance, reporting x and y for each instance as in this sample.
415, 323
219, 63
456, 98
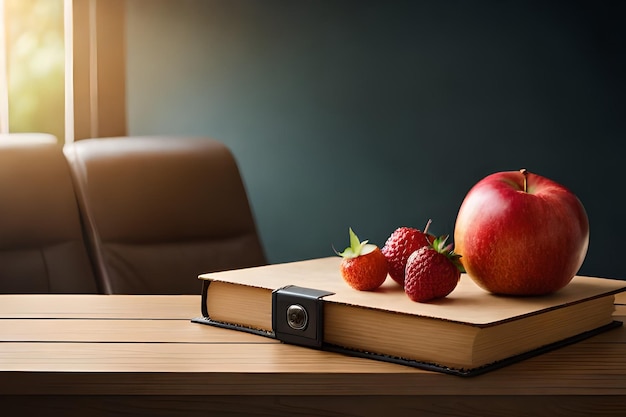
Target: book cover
466, 333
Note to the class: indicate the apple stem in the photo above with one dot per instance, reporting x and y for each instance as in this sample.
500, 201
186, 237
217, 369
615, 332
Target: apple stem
525, 174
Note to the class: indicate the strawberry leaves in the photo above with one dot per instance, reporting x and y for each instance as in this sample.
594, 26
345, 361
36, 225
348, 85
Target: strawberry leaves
356, 248
439, 244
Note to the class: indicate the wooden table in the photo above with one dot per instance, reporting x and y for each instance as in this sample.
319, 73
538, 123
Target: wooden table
92, 355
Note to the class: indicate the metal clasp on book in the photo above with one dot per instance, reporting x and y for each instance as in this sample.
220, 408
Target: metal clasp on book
298, 315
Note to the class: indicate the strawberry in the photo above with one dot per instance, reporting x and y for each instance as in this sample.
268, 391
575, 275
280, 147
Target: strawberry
363, 267
432, 271
400, 245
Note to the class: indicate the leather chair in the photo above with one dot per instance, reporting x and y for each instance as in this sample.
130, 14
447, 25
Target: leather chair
159, 211
42, 249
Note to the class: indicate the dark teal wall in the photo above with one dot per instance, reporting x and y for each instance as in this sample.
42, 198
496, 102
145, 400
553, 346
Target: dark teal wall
377, 114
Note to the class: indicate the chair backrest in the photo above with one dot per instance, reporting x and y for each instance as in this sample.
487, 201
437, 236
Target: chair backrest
159, 211
42, 249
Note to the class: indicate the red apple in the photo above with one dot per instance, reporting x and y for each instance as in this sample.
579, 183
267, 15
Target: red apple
521, 234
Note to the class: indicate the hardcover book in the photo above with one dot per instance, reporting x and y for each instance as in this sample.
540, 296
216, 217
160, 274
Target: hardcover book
466, 333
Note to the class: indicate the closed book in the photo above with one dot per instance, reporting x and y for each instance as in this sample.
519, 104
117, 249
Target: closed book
466, 333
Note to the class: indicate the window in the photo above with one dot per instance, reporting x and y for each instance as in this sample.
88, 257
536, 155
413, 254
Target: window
34, 66
62, 67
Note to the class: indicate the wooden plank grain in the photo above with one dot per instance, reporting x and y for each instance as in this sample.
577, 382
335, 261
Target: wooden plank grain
99, 306
258, 358
114, 346
267, 369
120, 331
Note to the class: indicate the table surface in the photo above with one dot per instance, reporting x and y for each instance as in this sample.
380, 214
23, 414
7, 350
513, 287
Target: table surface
142, 349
